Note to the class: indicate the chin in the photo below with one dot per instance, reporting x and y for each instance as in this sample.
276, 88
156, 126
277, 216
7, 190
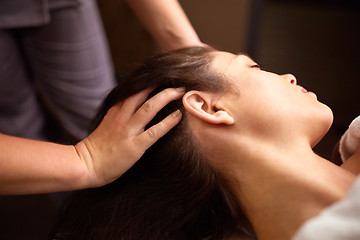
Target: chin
325, 119
328, 116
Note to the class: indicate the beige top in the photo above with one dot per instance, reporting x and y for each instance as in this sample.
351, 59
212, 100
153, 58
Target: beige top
340, 221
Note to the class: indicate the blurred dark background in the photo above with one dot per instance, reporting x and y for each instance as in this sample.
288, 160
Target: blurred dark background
316, 40
319, 42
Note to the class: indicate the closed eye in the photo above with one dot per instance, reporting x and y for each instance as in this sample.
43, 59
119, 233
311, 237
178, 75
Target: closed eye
255, 66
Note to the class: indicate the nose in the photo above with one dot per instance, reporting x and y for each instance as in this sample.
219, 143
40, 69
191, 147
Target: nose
290, 78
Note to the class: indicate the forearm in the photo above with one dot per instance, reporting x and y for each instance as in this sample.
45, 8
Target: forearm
166, 22
29, 166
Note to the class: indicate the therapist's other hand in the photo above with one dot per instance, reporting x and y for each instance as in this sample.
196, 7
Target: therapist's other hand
120, 140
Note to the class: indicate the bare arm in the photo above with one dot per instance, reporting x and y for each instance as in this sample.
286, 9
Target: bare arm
166, 22
29, 166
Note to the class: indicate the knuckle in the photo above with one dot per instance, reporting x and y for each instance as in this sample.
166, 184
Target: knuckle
114, 116
132, 148
158, 130
146, 106
151, 132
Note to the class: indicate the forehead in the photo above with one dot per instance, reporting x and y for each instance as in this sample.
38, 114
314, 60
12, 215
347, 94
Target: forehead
226, 62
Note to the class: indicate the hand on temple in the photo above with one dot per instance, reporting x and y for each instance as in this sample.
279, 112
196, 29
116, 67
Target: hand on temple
120, 139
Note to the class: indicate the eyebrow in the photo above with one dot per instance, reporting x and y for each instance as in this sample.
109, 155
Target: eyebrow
244, 54
241, 53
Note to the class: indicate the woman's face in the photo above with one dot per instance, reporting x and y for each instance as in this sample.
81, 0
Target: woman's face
269, 103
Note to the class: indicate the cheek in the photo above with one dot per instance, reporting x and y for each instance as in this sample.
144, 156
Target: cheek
258, 96
266, 96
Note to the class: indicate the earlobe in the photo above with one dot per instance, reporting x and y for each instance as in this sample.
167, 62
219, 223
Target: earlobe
203, 106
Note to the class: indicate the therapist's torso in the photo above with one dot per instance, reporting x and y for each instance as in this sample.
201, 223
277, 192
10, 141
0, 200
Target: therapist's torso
30, 13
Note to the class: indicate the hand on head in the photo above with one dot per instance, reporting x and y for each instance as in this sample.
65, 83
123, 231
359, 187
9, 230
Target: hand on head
120, 140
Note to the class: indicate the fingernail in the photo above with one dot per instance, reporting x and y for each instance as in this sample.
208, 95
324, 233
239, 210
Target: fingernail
176, 113
180, 89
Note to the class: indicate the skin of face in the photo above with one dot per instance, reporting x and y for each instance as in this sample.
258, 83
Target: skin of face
268, 105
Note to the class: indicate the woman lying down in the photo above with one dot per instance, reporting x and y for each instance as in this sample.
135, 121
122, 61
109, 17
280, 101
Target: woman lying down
239, 165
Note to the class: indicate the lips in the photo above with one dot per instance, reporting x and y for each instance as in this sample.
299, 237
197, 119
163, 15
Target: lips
304, 90
308, 92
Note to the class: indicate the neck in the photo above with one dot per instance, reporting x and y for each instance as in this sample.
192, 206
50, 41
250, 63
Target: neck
280, 190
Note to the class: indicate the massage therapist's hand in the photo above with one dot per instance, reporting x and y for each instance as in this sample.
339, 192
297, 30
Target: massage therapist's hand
29, 166
120, 139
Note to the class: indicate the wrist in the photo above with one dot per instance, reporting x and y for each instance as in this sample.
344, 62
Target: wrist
84, 176
174, 41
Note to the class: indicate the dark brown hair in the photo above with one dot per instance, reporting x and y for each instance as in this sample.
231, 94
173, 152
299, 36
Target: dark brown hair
171, 192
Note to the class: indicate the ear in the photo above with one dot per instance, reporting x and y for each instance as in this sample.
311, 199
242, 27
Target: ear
204, 106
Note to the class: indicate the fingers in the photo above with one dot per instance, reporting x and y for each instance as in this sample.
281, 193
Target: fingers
150, 136
152, 106
128, 107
